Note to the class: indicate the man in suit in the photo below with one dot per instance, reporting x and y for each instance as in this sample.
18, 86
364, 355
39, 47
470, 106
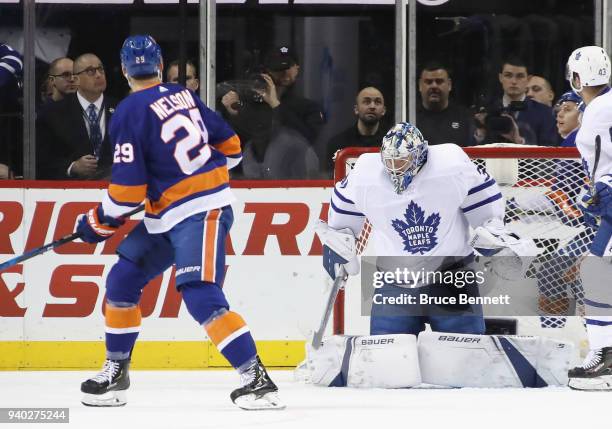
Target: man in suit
536, 122
72, 134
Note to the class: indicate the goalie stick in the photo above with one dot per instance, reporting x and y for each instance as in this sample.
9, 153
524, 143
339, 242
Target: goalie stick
60, 241
339, 283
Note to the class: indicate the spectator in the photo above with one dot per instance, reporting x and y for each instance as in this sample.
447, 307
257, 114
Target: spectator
46, 90
568, 117
536, 123
278, 127
304, 115
438, 118
72, 134
284, 106
539, 89
62, 80
366, 132
191, 80
11, 149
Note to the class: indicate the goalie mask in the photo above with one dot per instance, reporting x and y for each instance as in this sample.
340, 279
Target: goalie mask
591, 65
141, 56
403, 153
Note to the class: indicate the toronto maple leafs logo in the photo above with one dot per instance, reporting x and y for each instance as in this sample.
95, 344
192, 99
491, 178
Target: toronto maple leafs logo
417, 233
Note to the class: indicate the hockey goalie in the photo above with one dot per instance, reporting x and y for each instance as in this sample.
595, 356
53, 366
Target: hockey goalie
421, 203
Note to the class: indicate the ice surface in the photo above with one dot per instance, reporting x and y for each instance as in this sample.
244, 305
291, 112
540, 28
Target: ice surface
200, 399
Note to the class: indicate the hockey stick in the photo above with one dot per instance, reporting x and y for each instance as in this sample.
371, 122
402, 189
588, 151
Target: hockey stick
65, 239
339, 283
595, 164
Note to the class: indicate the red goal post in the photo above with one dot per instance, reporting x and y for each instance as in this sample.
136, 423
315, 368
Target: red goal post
518, 169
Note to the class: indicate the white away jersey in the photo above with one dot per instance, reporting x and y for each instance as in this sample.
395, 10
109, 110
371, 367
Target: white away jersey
596, 121
431, 217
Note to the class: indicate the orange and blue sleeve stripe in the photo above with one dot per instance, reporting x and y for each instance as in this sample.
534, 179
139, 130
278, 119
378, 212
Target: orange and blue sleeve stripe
119, 199
229, 147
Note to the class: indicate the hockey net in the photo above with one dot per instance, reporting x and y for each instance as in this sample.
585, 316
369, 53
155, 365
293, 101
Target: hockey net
540, 186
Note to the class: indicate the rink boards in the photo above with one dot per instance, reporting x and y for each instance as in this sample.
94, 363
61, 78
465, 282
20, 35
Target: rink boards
51, 306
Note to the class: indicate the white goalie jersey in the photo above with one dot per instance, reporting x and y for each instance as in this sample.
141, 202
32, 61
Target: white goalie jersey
431, 217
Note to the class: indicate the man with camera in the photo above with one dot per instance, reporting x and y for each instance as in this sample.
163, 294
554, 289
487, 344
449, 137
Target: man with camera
515, 118
278, 127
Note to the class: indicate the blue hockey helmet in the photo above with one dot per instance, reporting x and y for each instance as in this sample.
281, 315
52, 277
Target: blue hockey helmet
141, 56
570, 96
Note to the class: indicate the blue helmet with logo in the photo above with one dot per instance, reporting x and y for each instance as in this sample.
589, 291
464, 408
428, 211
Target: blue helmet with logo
141, 56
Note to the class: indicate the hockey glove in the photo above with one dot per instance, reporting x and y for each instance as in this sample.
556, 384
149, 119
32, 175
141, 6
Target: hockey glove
339, 248
590, 210
95, 226
512, 254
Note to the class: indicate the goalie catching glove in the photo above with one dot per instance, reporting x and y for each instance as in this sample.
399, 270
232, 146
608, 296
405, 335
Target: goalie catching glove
339, 249
94, 226
510, 251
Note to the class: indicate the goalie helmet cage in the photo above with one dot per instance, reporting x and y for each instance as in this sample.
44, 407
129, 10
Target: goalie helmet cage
540, 185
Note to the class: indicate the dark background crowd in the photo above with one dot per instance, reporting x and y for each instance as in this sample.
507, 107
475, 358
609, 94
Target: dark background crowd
297, 83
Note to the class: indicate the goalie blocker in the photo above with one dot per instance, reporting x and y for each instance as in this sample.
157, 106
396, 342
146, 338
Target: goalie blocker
444, 359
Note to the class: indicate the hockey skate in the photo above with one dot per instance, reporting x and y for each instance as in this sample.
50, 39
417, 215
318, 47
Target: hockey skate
595, 373
107, 389
258, 391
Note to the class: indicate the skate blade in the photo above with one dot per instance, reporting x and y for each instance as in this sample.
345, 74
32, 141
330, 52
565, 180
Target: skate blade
596, 384
115, 398
269, 401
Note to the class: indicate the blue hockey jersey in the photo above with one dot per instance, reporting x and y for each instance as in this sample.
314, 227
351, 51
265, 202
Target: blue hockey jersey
171, 151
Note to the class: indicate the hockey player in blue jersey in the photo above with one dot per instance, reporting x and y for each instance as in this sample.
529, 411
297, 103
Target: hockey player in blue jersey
174, 153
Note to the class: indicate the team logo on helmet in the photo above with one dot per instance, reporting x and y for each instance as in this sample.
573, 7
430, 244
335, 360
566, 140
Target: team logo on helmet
588, 66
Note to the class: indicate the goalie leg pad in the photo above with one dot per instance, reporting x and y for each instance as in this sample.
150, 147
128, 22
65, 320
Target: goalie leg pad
384, 361
462, 360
